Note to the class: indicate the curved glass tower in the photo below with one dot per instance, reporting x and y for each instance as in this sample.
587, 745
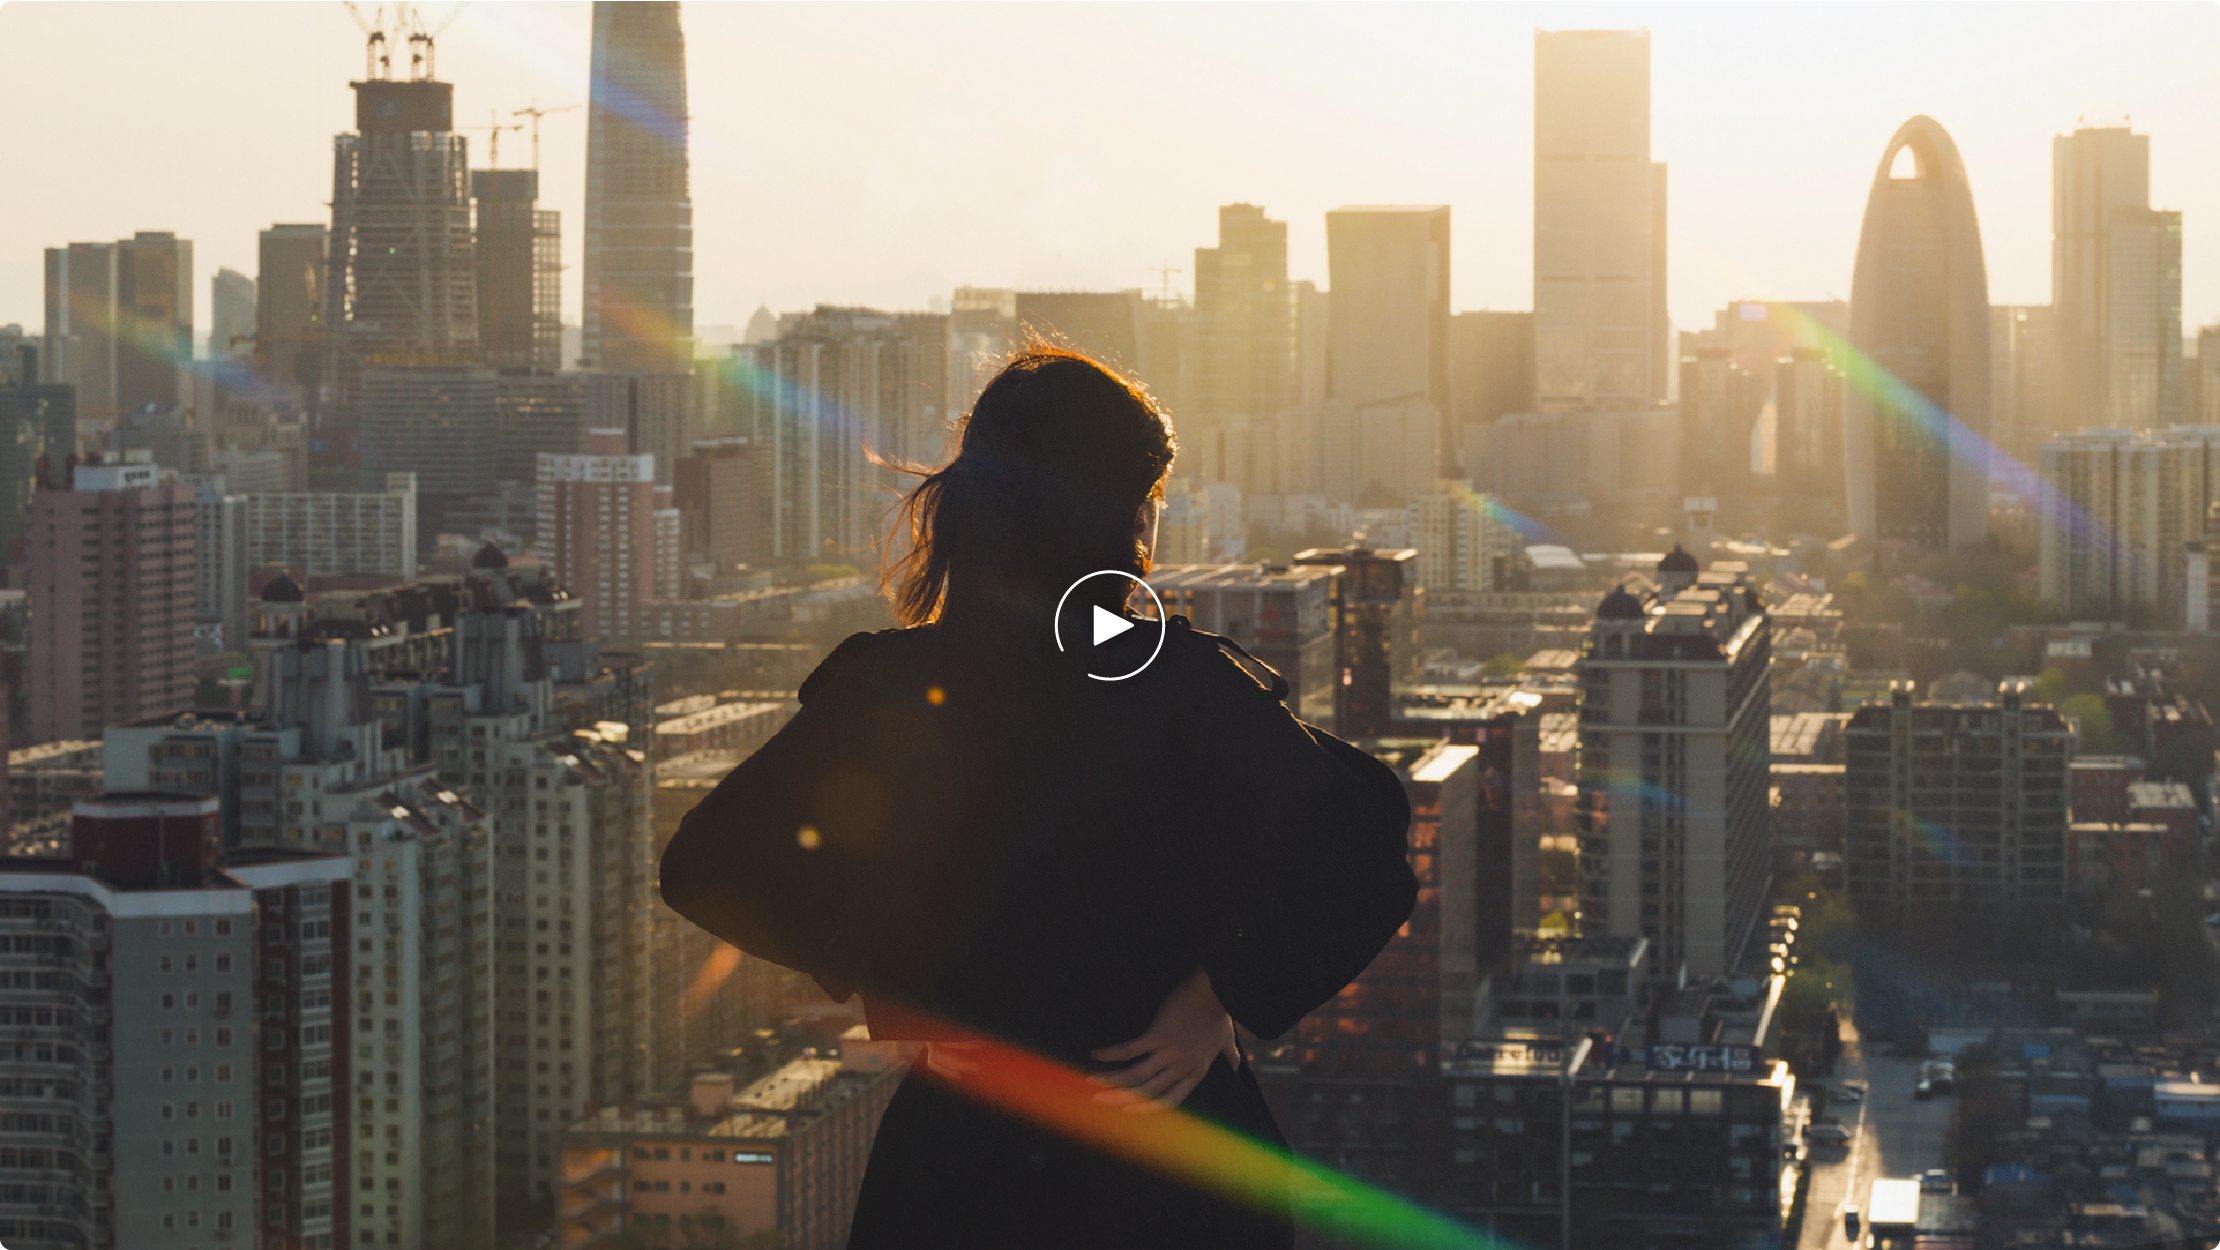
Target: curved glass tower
639, 278
1917, 420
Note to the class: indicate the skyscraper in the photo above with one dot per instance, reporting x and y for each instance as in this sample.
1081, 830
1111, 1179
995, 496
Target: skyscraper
112, 577
1599, 222
231, 315
400, 287
639, 274
2115, 282
1244, 318
1918, 419
289, 306
1387, 354
119, 321
519, 256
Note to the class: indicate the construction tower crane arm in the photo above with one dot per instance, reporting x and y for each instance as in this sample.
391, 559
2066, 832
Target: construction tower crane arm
536, 113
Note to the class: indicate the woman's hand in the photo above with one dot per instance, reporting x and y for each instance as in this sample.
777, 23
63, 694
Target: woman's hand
1190, 1029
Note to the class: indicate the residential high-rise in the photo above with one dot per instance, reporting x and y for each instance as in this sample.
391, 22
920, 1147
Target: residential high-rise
320, 535
38, 432
289, 307
639, 253
1380, 621
1675, 735
602, 529
1956, 806
400, 286
718, 490
1917, 427
1461, 545
119, 321
520, 271
2118, 509
1599, 223
2115, 283
172, 1123
112, 581
835, 381
655, 411
1388, 341
1808, 397
231, 315
2202, 395
219, 570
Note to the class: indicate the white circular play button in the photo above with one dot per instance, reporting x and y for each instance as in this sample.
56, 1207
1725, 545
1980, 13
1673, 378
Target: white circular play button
1104, 626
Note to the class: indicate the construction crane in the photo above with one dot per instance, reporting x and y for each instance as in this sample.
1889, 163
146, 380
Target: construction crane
409, 24
536, 113
493, 128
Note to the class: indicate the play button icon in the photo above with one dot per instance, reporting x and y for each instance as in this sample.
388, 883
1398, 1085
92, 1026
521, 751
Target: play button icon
1106, 628
1109, 625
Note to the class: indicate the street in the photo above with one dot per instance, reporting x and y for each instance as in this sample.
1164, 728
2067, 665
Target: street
1892, 1134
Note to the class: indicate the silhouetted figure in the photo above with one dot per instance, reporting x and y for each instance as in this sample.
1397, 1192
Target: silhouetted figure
985, 841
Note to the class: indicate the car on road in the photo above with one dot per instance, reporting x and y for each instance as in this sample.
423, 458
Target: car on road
1827, 1135
1850, 1221
1934, 1181
1924, 1090
1854, 1083
1848, 1093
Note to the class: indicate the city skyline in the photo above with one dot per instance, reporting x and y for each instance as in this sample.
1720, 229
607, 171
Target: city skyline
910, 173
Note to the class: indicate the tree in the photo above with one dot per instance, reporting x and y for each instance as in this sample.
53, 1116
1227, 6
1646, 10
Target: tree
2095, 720
1504, 664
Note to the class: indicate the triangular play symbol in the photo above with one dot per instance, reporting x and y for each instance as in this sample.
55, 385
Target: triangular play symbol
1109, 625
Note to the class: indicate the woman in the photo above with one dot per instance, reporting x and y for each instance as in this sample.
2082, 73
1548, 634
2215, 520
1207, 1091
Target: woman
988, 843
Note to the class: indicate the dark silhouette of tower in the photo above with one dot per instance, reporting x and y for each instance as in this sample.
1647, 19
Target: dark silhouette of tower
639, 279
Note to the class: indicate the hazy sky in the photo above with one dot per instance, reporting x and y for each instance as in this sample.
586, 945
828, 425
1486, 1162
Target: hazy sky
860, 153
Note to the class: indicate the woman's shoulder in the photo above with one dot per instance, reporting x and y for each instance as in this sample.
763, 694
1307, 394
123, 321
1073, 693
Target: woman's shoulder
1212, 668
868, 660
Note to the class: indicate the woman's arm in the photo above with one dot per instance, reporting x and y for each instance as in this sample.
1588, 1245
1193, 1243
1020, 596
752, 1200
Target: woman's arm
754, 863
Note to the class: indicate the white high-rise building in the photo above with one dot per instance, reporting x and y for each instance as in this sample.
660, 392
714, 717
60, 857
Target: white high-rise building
2119, 508
1460, 543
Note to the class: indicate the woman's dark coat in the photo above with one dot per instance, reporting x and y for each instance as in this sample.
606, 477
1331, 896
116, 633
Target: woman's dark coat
961, 821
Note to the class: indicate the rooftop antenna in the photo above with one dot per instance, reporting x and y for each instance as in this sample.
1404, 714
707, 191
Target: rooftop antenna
1164, 274
536, 113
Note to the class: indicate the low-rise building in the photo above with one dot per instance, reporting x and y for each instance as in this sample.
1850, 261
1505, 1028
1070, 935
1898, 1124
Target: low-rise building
784, 1155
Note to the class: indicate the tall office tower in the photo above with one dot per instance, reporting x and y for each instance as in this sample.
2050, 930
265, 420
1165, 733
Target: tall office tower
289, 307
1957, 806
400, 286
639, 277
2115, 281
1675, 724
1808, 397
1358, 1086
231, 315
600, 513
718, 490
520, 271
315, 534
1491, 372
1720, 403
2119, 508
1388, 340
111, 572
1282, 616
1915, 443
219, 570
1599, 223
654, 410
539, 412
2023, 384
1380, 616
175, 1124
436, 423
1244, 322
1462, 547
119, 321
835, 381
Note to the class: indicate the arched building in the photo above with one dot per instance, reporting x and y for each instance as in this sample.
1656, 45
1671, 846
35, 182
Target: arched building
1917, 418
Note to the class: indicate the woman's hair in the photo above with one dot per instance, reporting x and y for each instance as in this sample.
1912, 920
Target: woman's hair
1052, 467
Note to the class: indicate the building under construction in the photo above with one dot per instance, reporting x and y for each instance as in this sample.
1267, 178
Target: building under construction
520, 315
401, 289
